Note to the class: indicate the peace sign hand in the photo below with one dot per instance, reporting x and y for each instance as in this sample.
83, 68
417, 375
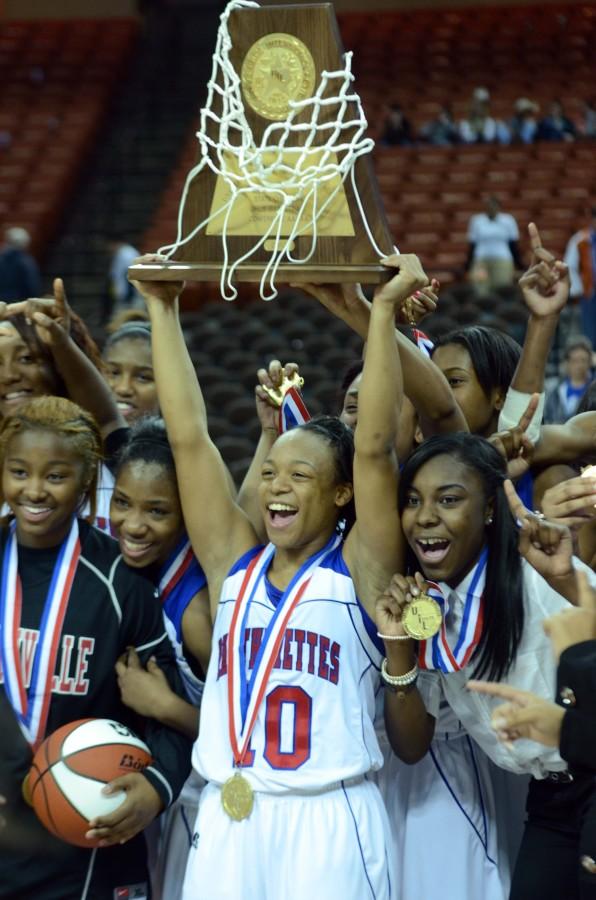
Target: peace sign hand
545, 285
547, 546
514, 445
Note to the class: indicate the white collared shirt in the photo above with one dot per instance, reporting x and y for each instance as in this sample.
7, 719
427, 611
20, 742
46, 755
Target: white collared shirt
534, 670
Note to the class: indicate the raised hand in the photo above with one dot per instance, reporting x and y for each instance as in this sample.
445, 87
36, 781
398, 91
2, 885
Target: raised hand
270, 379
514, 445
547, 546
576, 623
525, 715
400, 592
410, 278
545, 285
572, 502
420, 304
50, 315
166, 292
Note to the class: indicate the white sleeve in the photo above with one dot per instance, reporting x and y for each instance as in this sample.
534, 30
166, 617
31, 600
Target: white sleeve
571, 260
472, 230
513, 229
515, 406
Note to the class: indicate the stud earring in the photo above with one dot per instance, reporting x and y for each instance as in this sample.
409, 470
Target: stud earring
489, 521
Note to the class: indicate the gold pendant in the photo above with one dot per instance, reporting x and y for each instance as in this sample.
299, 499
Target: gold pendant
276, 395
422, 618
237, 797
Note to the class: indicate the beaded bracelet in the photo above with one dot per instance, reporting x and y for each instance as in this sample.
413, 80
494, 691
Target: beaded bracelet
394, 637
398, 681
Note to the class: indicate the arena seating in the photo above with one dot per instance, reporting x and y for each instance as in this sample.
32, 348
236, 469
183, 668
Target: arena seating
293, 329
423, 59
56, 82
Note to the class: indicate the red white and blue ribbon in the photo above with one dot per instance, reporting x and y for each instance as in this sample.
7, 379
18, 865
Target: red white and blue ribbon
423, 341
32, 706
245, 695
451, 656
293, 411
175, 569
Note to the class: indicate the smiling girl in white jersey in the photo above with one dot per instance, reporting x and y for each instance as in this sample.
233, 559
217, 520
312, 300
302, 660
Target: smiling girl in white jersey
286, 739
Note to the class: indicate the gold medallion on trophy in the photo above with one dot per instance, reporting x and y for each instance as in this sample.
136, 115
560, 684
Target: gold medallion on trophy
237, 797
277, 69
422, 618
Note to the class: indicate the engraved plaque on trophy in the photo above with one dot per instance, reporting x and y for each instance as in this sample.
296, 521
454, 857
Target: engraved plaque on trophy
284, 190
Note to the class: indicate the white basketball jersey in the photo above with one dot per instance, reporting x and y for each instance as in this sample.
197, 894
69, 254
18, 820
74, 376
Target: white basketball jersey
315, 725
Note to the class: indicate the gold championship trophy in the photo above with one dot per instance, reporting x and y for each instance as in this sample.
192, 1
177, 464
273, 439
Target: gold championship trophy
284, 189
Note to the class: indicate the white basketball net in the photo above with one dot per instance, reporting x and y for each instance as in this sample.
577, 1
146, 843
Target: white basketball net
250, 168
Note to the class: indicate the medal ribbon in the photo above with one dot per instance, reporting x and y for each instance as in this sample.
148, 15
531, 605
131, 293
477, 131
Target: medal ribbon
175, 570
32, 707
245, 695
437, 653
293, 411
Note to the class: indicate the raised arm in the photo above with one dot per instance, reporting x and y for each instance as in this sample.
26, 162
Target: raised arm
268, 414
424, 384
374, 548
545, 288
83, 381
218, 529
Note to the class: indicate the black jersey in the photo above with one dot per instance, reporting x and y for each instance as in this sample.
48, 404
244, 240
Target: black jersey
110, 609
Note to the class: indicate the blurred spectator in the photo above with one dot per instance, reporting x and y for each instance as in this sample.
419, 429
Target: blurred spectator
5, 139
121, 295
565, 395
397, 129
19, 274
580, 257
480, 127
587, 125
556, 126
493, 249
523, 125
442, 131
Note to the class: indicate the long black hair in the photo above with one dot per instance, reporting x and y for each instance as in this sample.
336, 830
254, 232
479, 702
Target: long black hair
147, 442
503, 593
341, 440
494, 354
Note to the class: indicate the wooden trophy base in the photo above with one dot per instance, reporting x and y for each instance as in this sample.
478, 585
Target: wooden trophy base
279, 53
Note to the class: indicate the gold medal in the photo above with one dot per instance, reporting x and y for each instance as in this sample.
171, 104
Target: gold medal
422, 618
276, 395
237, 797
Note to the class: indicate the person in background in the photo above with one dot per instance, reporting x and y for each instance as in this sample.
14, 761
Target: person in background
587, 122
19, 274
580, 257
442, 131
523, 125
563, 398
397, 129
480, 127
129, 370
121, 294
493, 247
556, 126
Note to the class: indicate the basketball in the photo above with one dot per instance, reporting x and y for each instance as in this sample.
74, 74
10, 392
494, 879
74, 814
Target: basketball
70, 769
